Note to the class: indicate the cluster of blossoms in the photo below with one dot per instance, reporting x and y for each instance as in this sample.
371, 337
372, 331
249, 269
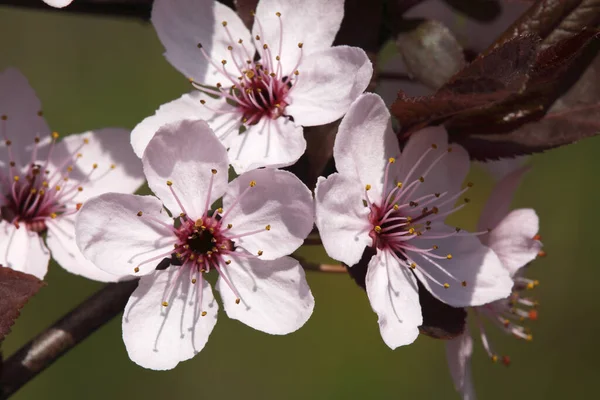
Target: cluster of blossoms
254, 91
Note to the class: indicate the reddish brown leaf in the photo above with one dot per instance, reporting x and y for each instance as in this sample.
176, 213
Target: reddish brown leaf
15, 290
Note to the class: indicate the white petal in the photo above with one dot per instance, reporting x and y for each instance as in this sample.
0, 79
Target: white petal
512, 240
185, 153
275, 297
58, 3
448, 172
498, 204
105, 148
477, 265
23, 250
365, 142
182, 24
159, 337
394, 296
279, 200
187, 106
61, 242
110, 234
458, 353
20, 105
270, 143
342, 218
329, 81
311, 22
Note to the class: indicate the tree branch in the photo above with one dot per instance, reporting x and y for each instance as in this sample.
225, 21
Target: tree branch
77, 325
55, 341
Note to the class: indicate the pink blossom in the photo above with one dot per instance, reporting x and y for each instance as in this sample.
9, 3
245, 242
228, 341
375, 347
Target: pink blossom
44, 181
265, 215
514, 238
297, 79
397, 203
58, 3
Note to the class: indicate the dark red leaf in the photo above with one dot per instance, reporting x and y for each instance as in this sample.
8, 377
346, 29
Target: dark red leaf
15, 290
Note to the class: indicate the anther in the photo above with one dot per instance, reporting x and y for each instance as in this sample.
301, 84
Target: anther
86, 141
446, 285
537, 237
229, 48
4, 117
37, 139
300, 45
204, 313
449, 149
421, 179
464, 283
202, 101
16, 178
94, 166
434, 146
199, 45
392, 160
470, 184
449, 256
55, 135
136, 270
237, 301
8, 142
139, 213
413, 265
223, 62
268, 227
252, 183
377, 229
278, 14
494, 358
296, 72
193, 280
260, 252
541, 253
399, 185
78, 206
224, 23
228, 262
367, 187
53, 215
257, 37
165, 304
265, 46
229, 226
169, 183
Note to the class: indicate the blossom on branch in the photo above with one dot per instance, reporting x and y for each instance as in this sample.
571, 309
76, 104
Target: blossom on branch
514, 238
257, 89
44, 181
265, 215
397, 203
58, 3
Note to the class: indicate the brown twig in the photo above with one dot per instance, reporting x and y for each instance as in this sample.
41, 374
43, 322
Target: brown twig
77, 325
62, 336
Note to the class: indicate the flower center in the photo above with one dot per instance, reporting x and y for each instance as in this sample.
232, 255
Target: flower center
38, 191
257, 89
402, 220
202, 244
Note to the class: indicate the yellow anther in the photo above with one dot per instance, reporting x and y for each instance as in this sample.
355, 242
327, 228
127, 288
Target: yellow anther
169, 183
79, 155
408, 219
53, 215
300, 45
268, 227
252, 183
86, 141
70, 168
78, 206
260, 252
278, 14
296, 72
202, 101
94, 165
224, 23
55, 135
165, 304
411, 231
391, 160
219, 210
449, 256
33, 191
229, 226
136, 269
214, 171
229, 48
530, 285
464, 283
257, 37
250, 74
223, 62
140, 213
57, 188
193, 280
377, 229
435, 247
240, 41
446, 285
79, 189
435, 210
413, 265
277, 58
265, 46
421, 179
228, 262
449, 149
237, 301
42, 192
367, 187
494, 358
529, 338
204, 313
399, 185
16, 178
396, 207
113, 166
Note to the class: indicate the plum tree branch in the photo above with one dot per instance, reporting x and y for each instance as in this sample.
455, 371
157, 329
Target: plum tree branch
43, 350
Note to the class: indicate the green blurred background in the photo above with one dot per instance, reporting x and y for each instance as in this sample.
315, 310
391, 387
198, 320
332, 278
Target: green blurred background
92, 72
